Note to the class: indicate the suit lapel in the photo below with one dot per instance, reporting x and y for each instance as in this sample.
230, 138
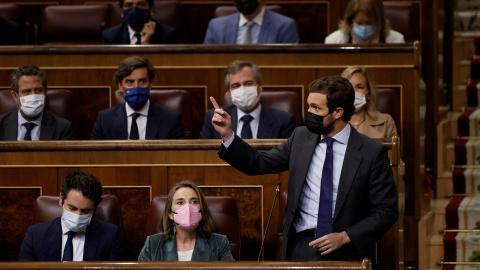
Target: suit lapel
125, 34
92, 237
306, 152
265, 130
11, 127
47, 129
234, 117
55, 241
352, 160
202, 251
171, 250
232, 30
154, 121
265, 30
120, 125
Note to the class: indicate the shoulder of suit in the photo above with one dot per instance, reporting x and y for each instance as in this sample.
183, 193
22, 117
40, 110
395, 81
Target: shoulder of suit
277, 16
276, 111
161, 109
113, 29
7, 115
225, 19
55, 117
164, 27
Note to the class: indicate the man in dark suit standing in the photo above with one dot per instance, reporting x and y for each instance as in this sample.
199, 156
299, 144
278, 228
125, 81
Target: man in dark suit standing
76, 235
31, 121
341, 193
139, 27
137, 118
249, 119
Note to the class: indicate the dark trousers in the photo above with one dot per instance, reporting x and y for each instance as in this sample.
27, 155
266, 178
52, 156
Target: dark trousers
298, 249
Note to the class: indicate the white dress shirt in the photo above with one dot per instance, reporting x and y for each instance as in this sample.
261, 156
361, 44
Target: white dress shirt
35, 133
242, 27
253, 123
78, 242
141, 120
131, 34
310, 196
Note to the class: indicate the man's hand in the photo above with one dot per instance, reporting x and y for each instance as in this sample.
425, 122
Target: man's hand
147, 32
330, 242
221, 121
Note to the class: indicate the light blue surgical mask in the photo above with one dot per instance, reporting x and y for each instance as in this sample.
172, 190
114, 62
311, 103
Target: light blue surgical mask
363, 32
75, 222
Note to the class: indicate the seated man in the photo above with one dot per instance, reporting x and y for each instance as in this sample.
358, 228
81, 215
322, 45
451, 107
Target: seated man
31, 121
253, 24
249, 119
139, 27
76, 235
137, 118
10, 32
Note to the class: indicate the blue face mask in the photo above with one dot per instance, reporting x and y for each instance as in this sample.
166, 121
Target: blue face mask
75, 222
136, 17
136, 97
363, 32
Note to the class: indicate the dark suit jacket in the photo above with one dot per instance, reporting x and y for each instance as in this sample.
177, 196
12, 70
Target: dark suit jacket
118, 34
275, 28
10, 33
274, 124
366, 204
162, 123
214, 248
52, 128
43, 242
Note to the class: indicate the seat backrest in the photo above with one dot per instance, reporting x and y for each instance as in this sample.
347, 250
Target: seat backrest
46, 208
404, 18
10, 12
173, 99
388, 101
227, 10
287, 101
224, 214
59, 101
165, 11
74, 24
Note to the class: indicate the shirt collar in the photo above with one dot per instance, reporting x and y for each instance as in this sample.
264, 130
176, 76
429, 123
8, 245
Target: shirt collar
255, 114
131, 32
258, 19
37, 121
143, 111
342, 136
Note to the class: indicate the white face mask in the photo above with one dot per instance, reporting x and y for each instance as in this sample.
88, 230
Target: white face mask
245, 97
360, 100
75, 222
32, 105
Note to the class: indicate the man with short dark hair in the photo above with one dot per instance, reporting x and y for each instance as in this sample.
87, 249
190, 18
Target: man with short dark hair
139, 27
31, 122
250, 119
137, 118
76, 235
253, 24
341, 193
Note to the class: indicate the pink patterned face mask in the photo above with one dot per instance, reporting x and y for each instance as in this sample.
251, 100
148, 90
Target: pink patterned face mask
187, 217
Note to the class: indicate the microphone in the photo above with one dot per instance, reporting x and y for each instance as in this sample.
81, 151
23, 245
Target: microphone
277, 189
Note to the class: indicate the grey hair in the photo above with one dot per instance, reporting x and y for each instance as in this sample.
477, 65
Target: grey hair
27, 71
238, 65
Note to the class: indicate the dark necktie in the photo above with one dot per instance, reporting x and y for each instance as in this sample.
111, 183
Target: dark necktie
324, 221
134, 127
139, 38
29, 126
246, 130
68, 251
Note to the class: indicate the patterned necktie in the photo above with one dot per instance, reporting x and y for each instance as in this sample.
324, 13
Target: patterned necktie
29, 126
134, 128
324, 221
246, 130
247, 35
139, 38
68, 251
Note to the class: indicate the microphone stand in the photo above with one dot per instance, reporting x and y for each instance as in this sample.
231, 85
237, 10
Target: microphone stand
279, 184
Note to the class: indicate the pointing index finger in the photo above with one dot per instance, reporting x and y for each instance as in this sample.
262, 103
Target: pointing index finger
214, 102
